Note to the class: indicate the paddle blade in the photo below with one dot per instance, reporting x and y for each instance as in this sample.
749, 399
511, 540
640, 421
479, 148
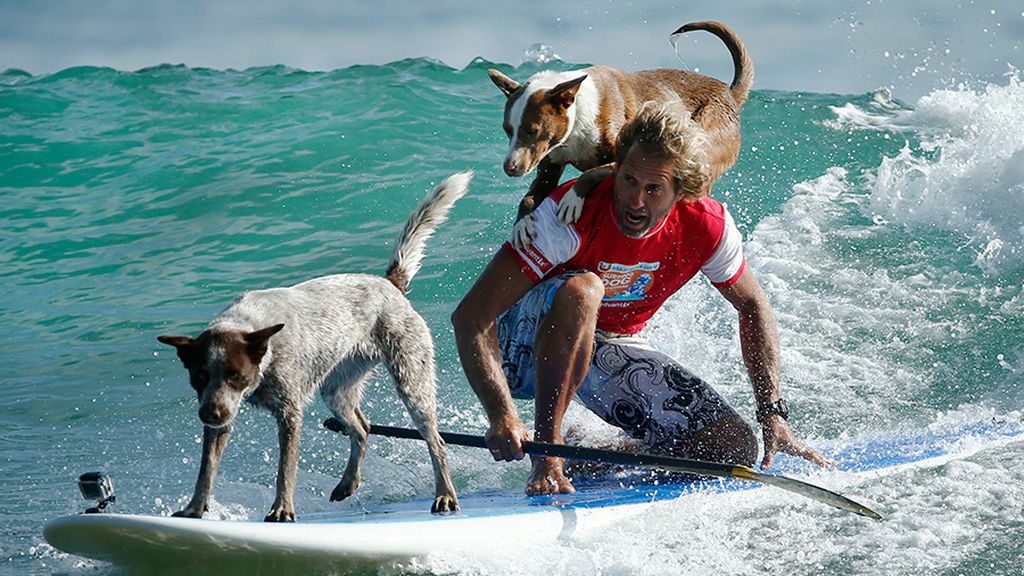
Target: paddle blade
807, 490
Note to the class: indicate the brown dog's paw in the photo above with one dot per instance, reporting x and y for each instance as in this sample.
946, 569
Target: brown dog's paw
280, 516
444, 505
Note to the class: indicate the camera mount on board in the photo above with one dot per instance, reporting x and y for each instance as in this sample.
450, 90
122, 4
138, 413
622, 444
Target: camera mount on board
97, 486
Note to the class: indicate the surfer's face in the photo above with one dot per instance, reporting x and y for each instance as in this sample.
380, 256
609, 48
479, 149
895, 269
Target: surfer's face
645, 191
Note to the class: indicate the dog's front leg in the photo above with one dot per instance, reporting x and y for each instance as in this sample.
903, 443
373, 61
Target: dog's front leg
214, 442
289, 426
548, 173
571, 206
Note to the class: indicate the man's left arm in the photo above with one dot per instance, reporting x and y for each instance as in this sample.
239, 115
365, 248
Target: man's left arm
759, 341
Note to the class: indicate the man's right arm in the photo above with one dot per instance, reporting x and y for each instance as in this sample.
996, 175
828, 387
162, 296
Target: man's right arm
500, 286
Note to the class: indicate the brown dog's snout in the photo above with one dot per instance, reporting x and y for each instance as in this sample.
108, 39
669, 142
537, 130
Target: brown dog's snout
512, 168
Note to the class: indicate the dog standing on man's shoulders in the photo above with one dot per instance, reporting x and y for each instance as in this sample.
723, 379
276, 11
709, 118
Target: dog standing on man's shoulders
559, 118
282, 345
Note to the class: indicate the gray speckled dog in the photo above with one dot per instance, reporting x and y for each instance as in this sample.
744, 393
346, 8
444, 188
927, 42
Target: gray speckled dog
281, 345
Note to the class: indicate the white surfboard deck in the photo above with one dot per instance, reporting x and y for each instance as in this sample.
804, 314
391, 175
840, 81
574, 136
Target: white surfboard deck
407, 530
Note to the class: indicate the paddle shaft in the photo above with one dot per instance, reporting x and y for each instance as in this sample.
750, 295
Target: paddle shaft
663, 462
572, 452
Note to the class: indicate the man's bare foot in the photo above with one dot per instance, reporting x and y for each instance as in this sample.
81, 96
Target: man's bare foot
547, 478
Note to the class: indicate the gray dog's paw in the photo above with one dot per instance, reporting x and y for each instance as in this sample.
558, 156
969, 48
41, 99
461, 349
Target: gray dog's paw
344, 489
282, 515
188, 513
444, 504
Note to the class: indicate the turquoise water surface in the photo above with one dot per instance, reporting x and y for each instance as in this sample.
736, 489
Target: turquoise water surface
889, 236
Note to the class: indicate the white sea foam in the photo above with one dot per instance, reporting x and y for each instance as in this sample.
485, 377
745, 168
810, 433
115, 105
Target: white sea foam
882, 113
843, 327
935, 518
967, 177
540, 54
865, 320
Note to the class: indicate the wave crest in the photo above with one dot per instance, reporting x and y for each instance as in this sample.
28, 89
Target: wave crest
967, 176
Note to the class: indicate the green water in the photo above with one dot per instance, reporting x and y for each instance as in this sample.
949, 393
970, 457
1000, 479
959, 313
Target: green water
139, 203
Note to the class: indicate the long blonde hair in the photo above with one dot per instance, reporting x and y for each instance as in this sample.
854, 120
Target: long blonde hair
666, 130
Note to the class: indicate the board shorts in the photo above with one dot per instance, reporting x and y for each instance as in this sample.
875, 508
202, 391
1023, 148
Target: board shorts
629, 384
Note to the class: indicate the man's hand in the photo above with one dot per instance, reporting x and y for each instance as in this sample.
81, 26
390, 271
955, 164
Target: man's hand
779, 438
505, 439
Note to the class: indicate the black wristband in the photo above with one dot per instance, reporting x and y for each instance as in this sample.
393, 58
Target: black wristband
778, 408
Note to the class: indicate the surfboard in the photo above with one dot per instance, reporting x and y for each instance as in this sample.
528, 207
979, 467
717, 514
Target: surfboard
406, 530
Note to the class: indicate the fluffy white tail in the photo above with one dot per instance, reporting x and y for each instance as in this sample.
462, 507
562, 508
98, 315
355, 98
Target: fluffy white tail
431, 213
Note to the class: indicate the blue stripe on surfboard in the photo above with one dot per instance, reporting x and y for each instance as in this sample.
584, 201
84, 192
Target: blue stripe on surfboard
877, 453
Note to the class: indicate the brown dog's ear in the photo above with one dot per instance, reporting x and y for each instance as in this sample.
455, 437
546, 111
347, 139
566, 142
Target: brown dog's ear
565, 93
184, 344
257, 342
504, 83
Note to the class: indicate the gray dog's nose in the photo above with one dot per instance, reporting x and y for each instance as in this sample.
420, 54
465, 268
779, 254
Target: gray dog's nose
212, 414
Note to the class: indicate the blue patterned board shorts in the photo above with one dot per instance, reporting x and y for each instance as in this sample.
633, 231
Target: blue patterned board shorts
629, 385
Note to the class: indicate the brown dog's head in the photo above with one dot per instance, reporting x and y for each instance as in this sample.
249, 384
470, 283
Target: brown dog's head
223, 368
538, 116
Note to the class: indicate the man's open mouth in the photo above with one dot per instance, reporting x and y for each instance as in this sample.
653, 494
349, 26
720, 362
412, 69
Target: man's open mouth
635, 219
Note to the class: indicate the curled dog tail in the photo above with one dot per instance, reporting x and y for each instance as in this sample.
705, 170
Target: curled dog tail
743, 75
432, 211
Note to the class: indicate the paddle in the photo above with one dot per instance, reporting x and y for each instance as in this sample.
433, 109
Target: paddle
663, 462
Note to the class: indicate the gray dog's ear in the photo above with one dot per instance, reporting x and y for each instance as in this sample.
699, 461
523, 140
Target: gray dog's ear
184, 344
504, 83
177, 341
257, 341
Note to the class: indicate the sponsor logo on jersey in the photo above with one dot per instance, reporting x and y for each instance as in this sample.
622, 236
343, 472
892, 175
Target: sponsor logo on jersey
536, 260
626, 282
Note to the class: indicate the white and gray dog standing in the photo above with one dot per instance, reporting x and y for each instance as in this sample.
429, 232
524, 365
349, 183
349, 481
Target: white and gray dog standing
281, 345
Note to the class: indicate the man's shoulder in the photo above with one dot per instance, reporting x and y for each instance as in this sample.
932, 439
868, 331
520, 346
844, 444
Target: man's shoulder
704, 216
705, 208
590, 189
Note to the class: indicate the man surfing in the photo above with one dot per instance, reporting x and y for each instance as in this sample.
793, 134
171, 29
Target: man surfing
562, 316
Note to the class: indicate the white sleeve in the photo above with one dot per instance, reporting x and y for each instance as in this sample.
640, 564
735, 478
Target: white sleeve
554, 244
726, 263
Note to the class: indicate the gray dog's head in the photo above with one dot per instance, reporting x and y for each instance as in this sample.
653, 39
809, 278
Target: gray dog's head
223, 368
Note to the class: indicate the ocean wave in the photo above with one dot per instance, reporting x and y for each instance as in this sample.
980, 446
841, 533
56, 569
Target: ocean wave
968, 175
960, 170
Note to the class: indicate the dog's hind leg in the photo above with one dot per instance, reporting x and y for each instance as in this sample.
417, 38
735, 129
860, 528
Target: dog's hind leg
357, 427
214, 442
343, 395
445, 499
409, 356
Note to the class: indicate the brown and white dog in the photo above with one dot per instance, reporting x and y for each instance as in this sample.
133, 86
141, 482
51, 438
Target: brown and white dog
560, 118
282, 345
